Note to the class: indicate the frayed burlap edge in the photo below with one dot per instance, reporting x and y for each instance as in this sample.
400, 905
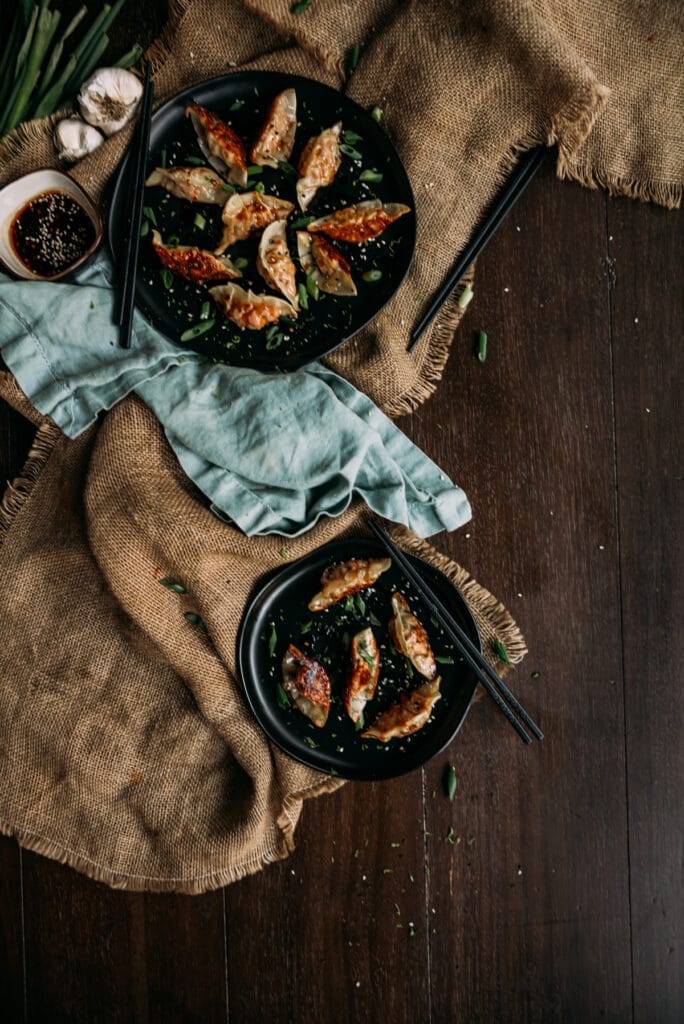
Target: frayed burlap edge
664, 193
493, 619
279, 846
19, 489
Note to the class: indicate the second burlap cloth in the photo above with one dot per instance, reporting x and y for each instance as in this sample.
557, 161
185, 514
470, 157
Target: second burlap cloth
126, 749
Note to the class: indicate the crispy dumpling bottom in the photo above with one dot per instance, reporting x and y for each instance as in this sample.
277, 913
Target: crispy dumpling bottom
306, 683
192, 264
409, 715
223, 148
345, 578
360, 222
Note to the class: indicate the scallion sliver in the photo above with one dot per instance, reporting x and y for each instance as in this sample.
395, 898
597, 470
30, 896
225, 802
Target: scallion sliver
197, 329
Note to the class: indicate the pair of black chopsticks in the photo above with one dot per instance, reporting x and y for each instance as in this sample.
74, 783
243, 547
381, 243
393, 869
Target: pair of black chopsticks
521, 177
138, 168
495, 687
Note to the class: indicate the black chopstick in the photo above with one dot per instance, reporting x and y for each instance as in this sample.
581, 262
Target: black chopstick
138, 167
495, 687
521, 177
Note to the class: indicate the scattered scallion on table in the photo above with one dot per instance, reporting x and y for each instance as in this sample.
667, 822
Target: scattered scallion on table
450, 782
501, 652
300, 7
482, 346
377, 114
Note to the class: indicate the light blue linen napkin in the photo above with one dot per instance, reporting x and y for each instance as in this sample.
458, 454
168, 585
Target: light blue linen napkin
272, 452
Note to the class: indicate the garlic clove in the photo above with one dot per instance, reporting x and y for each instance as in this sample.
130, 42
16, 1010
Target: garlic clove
109, 98
75, 139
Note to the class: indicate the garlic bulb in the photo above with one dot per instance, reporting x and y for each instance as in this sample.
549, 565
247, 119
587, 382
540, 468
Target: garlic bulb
75, 139
109, 98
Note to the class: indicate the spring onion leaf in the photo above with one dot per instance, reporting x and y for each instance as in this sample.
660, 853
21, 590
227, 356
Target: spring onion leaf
482, 346
282, 697
196, 330
451, 782
372, 275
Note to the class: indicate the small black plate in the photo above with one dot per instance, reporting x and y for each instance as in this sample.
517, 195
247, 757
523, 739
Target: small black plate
332, 320
338, 748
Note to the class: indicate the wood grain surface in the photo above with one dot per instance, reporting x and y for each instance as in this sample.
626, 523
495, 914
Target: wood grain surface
551, 887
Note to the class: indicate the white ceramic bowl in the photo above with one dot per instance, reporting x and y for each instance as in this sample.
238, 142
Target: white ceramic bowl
15, 196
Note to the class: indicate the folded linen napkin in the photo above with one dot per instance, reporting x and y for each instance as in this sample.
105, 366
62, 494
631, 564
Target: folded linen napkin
252, 442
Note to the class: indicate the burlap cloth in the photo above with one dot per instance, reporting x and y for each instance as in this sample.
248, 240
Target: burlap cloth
126, 749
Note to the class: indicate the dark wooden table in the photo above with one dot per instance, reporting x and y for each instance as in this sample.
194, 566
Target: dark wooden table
560, 897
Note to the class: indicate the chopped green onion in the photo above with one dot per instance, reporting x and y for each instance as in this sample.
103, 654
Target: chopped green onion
300, 6
150, 214
370, 176
196, 330
195, 620
349, 151
372, 275
227, 187
373, 619
349, 603
259, 187
283, 699
166, 278
303, 296
254, 170
272, 639
302, 222
236, 104
274, 341
241, 263
451, 782
377, 114
178, 588
444, 659
163, 157
465, 297
501, 652
351, 137
360, 722
482, 346
305, 627
288, 170
144, 228
205, 310
353, 58
172, 240
312, 287
360, 604
271, 332
200, 221
287, 320
535, 675
195, 160
311, 742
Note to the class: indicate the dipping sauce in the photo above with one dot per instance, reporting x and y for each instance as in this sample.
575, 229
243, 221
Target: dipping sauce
51, 233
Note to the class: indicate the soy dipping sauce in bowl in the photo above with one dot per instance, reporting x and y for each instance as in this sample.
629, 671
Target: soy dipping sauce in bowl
49, 226
51, 233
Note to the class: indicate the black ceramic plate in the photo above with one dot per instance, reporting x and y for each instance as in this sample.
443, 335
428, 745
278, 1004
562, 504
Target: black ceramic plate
242, 100
278, 615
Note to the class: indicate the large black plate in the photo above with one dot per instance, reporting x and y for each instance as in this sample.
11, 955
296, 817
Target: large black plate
332, 320
338, 748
